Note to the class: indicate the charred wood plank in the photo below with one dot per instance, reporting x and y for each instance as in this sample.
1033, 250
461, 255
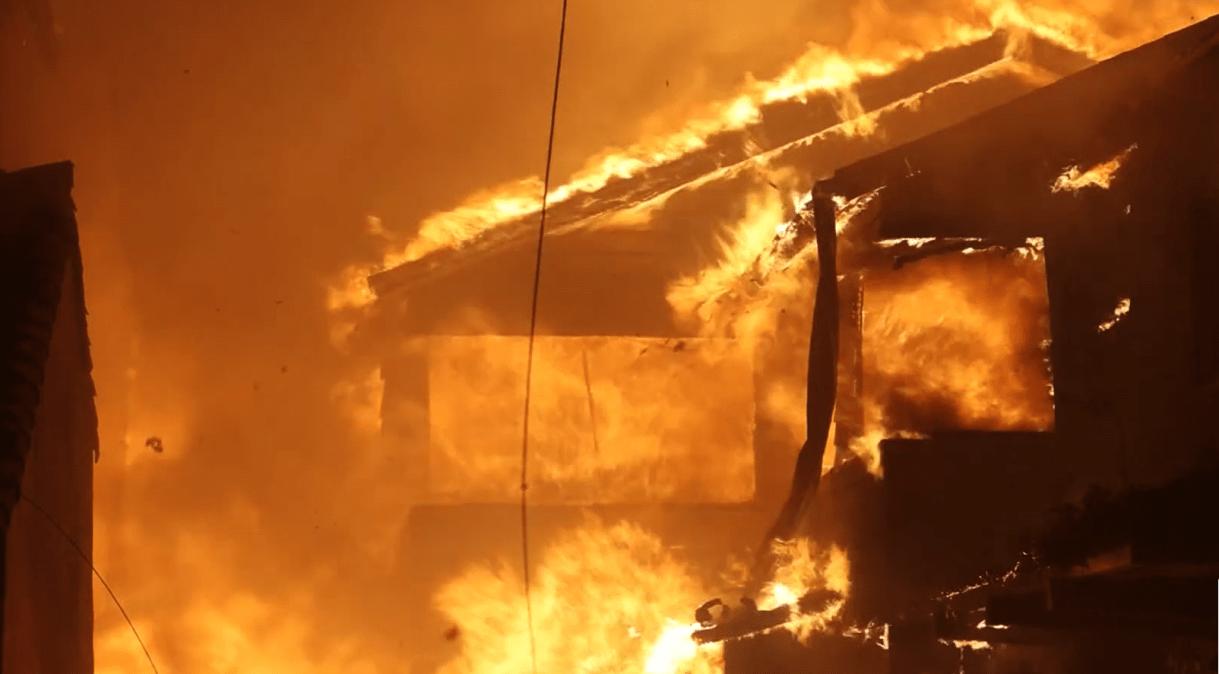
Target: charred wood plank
742, 624
822, 374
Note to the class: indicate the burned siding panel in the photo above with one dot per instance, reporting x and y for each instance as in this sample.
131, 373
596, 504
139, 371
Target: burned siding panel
49, 612
49, 427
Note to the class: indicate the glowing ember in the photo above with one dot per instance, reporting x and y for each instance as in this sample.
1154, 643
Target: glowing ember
1100, 175
968, 644
1119, 312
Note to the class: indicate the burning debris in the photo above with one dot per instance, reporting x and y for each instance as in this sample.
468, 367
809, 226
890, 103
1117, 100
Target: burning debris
1119, 312
1100, 176
623, 588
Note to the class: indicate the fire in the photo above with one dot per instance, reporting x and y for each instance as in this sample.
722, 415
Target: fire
609, 598
1101, 175
800, 569
760, 269
748, 251
606, 598
1119, 312
597, 433
968, 644
939, 350
956, 341
820, 69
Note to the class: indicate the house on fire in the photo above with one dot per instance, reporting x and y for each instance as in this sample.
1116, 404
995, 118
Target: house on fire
1113, 170
449, 328
48, 428
1101, 187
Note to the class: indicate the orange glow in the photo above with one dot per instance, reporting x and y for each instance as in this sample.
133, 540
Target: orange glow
800, 569
606, 598
1119, 312
955, 341
227, 162
1101, 175
361, 400
612, 598
600, 439
820, 69
749, 252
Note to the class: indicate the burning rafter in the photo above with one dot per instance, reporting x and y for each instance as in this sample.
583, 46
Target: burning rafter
1100, 175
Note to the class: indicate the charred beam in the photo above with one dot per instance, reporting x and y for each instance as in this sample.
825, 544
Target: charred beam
745, 623
822, 377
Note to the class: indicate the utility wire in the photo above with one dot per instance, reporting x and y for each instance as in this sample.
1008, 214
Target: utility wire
533, 326
85, 557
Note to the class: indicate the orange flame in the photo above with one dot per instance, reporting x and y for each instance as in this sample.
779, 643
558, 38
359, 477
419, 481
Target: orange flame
944, 347
818, 69
801, 568
1119, 312
597, 434
1100, 175
606, 598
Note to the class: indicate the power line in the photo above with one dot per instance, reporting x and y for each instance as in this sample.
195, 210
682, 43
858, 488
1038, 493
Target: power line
533, 325
85, 557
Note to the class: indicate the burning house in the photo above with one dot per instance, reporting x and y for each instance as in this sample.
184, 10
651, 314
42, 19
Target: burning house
1024, 316
816, 336
1108, 168
48, 428
987, 560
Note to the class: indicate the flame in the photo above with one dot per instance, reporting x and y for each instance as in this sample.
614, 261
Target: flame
1100, 175
1119, 312
871, 52
632, 615
955, 342
800, 569
914, 349
749, 249
597, 434
967, 644
606, 598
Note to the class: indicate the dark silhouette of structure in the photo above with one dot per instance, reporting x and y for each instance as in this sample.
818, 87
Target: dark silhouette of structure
48, 428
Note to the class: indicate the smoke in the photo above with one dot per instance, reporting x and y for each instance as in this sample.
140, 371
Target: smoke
228, 158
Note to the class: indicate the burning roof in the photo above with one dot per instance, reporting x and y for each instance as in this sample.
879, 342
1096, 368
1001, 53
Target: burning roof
709, 244
628, 238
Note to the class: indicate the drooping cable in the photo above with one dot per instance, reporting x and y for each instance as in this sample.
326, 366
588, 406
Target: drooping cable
89, 561
533, 325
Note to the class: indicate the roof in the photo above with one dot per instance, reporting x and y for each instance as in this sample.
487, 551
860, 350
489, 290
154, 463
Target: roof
1148, 241
962, 180
611, 255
